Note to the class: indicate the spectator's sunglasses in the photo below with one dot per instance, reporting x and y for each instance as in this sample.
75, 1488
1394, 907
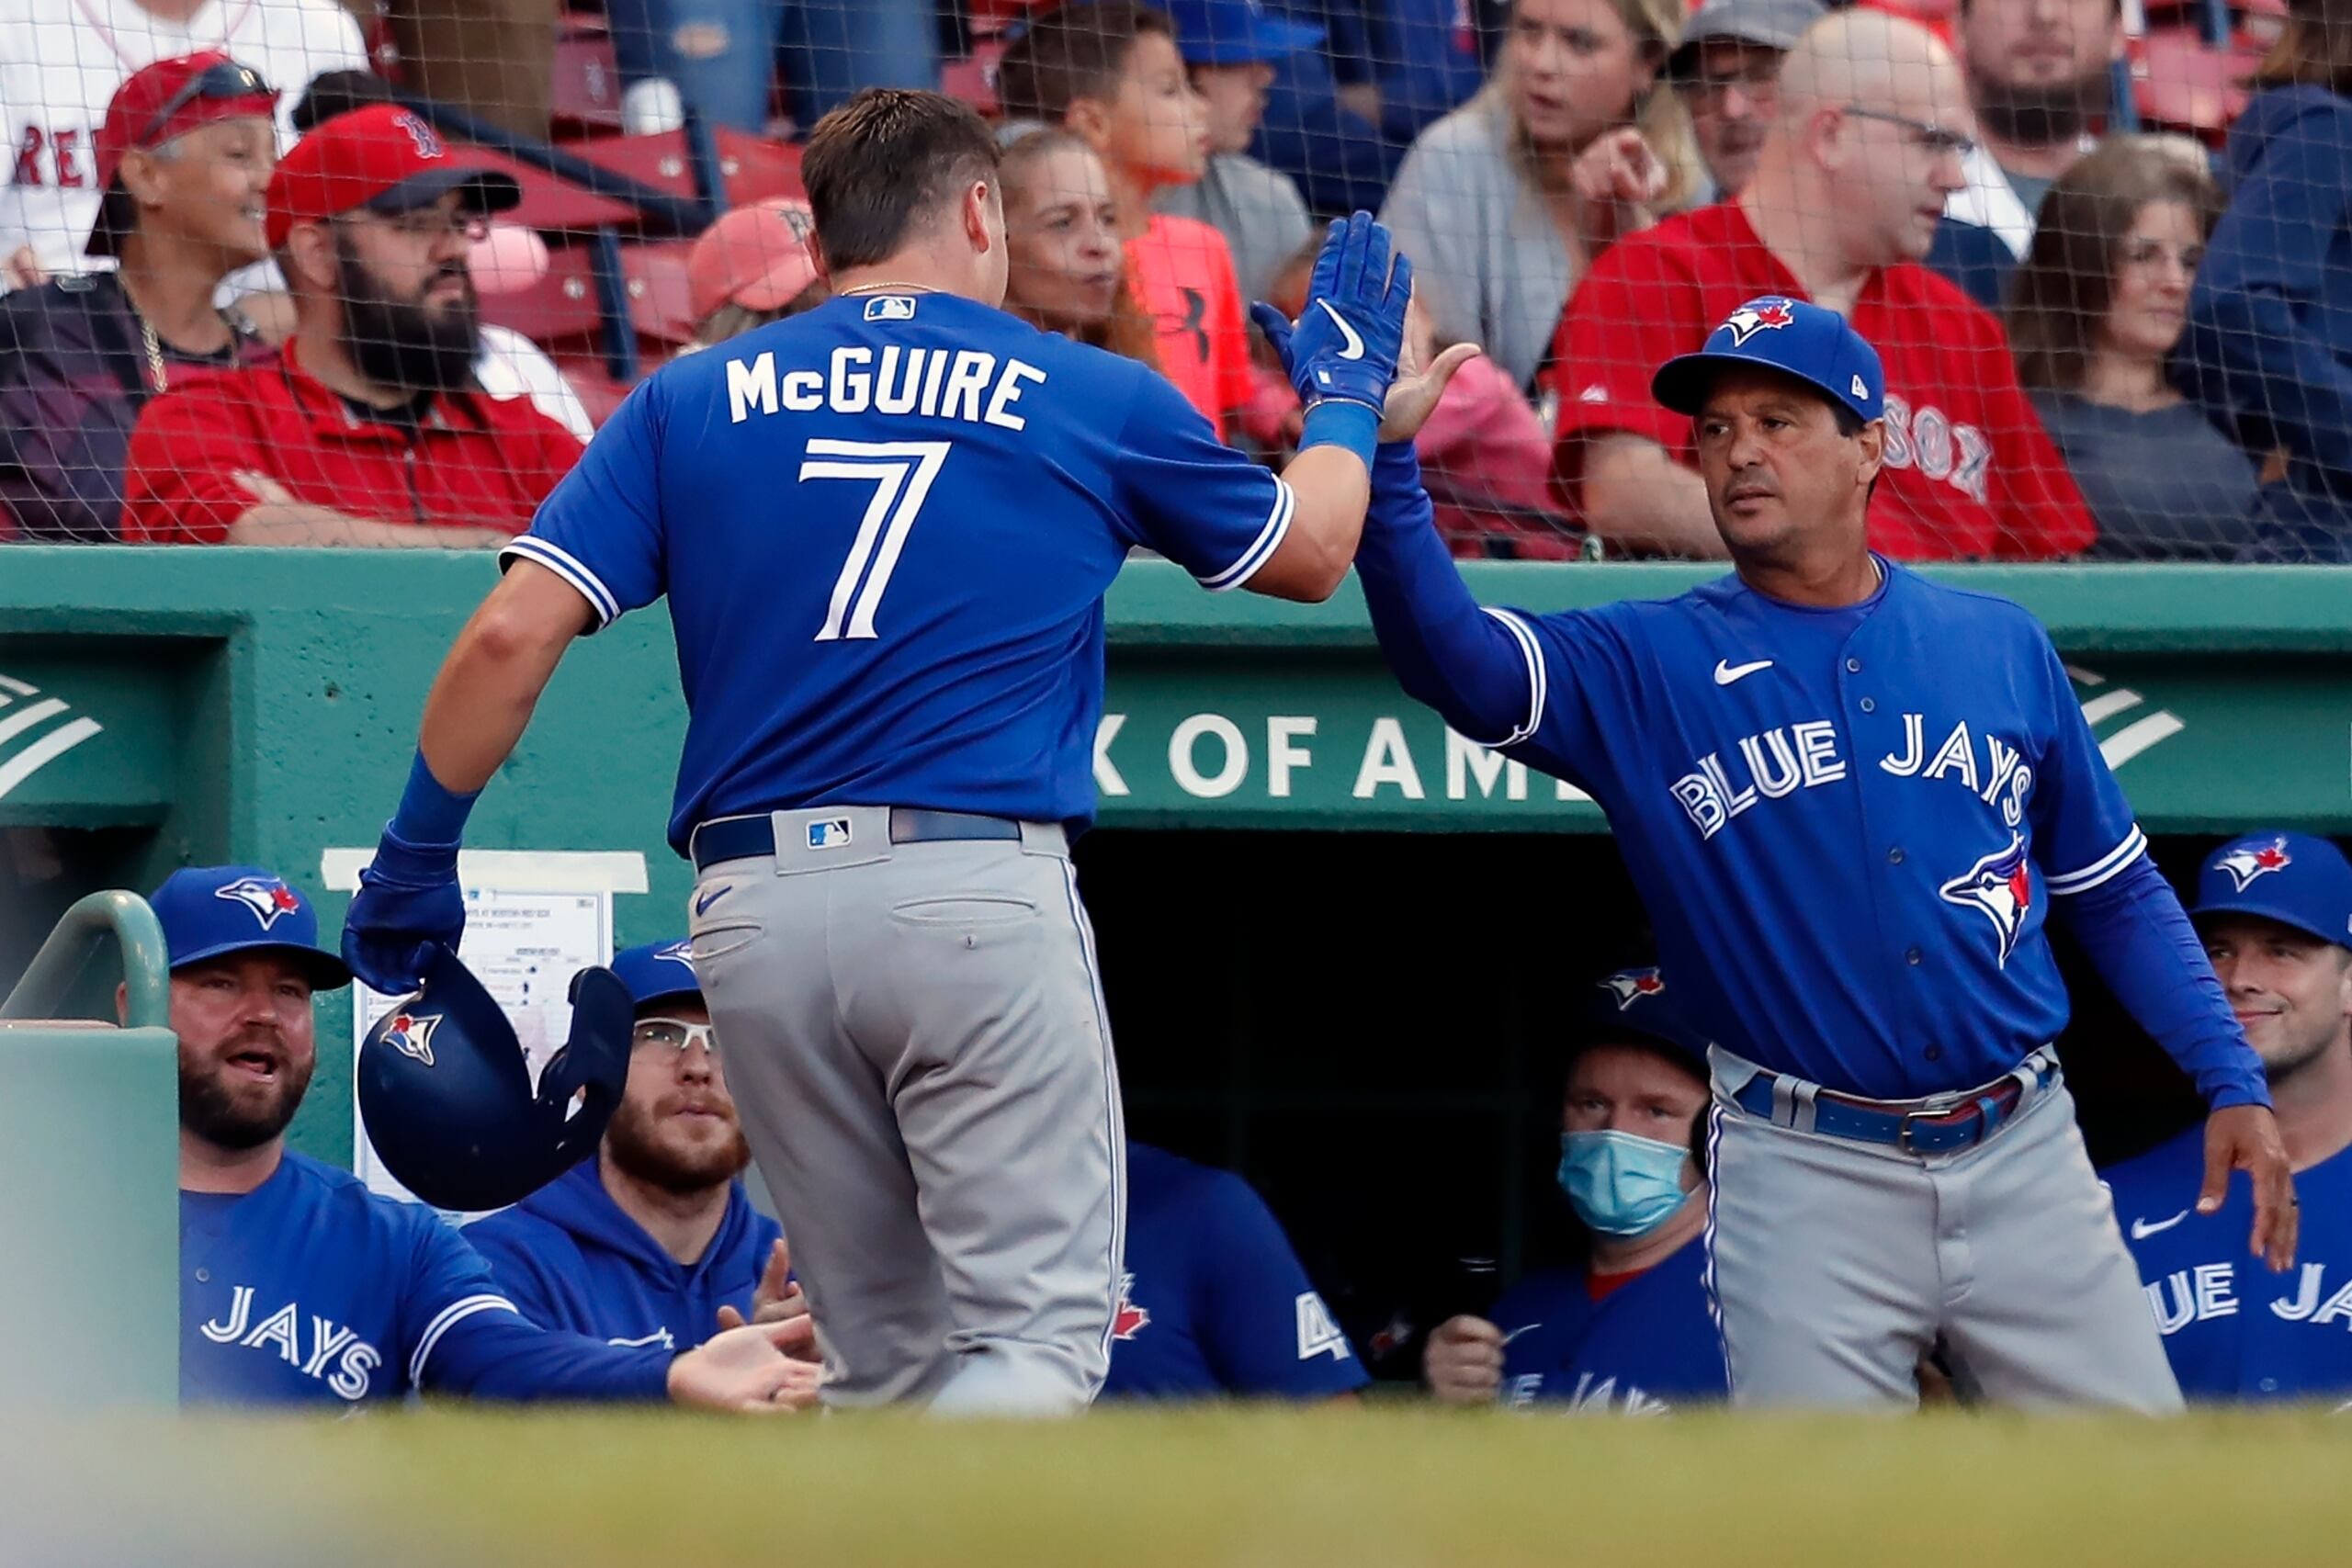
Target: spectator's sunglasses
1925, 134
674, 1033
225, 80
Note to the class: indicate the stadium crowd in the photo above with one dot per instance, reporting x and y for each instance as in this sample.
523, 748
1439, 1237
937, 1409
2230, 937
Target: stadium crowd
262, 293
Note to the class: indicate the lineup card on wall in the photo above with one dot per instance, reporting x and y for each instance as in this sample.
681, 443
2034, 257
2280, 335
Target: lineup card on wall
533, 920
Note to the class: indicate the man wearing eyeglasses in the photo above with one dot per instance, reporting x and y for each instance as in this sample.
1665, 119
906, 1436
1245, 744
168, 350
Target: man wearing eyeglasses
1867, 140
183, 163
1727, 69
651, 1241
369, 429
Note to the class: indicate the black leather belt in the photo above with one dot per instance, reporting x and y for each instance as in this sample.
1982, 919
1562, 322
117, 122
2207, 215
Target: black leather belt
745, 838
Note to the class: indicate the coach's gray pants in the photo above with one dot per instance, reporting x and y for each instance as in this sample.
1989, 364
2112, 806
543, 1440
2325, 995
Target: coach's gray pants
914, 1036
1837, 1265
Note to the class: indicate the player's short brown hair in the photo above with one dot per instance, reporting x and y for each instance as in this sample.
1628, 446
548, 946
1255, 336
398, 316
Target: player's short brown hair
882, 165
1075, 52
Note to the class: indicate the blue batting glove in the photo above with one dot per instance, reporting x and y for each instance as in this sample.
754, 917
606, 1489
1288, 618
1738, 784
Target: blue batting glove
1345, 343
408, 900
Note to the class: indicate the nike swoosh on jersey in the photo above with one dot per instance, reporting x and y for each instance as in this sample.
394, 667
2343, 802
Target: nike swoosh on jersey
703, 901
1352, 347
2142, 1229
1523, 1328
1726, 671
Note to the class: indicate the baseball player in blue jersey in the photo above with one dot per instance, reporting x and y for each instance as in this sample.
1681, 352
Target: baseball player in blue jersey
651, 1240
297, 1285
1851, 798
1631, 1331
2274, 910
1213, 1300
885, 527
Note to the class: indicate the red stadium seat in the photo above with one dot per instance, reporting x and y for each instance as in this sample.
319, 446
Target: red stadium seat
587, 85
562, 307
751, 167
972, 79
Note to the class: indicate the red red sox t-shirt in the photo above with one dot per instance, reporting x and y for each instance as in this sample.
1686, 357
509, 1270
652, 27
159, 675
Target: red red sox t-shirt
1969, 472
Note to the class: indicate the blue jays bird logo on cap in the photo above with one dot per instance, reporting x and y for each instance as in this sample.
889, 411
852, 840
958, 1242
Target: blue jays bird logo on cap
1630, 986
1999, 887
266, 896
682, 952
1759, 316
2248, 861
411, 1035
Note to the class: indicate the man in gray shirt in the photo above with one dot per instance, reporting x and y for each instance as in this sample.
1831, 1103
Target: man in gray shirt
1229, 47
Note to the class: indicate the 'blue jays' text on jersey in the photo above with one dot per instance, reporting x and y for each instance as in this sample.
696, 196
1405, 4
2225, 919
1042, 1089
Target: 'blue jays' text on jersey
1647, 1346
885, 528
312, 1290
568, 1257
1848, 824
1214, 1299
2234, 1329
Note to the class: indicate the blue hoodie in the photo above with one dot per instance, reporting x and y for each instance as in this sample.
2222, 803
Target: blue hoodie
2268, 348
568, 1257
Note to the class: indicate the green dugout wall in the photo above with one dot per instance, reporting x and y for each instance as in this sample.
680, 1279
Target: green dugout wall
164, 706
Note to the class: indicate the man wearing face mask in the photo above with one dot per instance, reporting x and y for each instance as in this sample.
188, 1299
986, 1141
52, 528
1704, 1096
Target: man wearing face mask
369, 428
1629, 1332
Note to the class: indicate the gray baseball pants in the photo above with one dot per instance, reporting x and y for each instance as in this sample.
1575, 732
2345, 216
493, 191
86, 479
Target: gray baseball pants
1836, 1264
916, 1040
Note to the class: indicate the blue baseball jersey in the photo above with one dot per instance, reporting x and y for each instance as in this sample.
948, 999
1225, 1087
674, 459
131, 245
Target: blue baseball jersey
312, 1289
885, 528
1647, 1346
568, 1257
2234, 1329
1214, 1301
1847, 825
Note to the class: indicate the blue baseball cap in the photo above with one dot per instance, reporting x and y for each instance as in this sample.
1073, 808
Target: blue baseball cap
1235, 32
1635, 1005
208, 911
1792, 336
2295, 879
658, 970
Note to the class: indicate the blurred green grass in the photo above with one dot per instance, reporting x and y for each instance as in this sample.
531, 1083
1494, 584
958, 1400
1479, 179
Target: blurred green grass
1369, 1488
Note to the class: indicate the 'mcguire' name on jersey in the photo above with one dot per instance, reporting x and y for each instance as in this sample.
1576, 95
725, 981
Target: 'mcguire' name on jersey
1780, 761
965, 384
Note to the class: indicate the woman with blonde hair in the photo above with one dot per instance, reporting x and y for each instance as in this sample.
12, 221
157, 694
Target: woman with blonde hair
2096, 310
1573, 141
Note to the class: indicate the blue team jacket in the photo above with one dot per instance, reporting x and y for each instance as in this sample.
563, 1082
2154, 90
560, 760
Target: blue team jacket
2234, 1329
568, 1257
1650, 1346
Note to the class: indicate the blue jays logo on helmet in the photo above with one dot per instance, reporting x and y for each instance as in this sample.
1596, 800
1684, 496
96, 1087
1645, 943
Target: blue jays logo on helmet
1757, 316
266, 896
1630, 986
2248, 861
1999, 887
411, 1035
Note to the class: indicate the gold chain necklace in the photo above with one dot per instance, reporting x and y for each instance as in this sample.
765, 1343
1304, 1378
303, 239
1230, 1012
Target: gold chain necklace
891, 288
155, 352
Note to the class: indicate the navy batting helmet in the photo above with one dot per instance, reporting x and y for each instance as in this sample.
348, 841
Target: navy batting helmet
446, 1098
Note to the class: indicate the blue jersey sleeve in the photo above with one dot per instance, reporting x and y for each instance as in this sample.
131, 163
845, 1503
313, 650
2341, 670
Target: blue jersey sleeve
1264, 1329
460, 1335
600, 529
2083, 828
1191, 497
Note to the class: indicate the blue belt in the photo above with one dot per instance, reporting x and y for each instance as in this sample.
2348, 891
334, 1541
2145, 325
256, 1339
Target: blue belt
745, 838
1899, 1124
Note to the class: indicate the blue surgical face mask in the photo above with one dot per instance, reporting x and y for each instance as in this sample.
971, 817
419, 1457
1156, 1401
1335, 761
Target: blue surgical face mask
1621, 1185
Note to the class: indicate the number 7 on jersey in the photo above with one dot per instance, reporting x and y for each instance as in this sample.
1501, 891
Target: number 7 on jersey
902, 473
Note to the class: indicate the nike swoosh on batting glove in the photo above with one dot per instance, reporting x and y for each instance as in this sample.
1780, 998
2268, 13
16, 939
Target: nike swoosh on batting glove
408, 900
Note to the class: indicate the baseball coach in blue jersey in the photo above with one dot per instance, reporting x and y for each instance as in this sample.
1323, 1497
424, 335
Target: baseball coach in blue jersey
1631, 1331
1213, 1301
1851, 798
649, 1242
2274, 910
885, 527
297, 1285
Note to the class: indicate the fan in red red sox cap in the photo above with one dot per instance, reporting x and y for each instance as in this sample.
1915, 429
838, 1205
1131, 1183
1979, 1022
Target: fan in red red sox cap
370, 429
182, 162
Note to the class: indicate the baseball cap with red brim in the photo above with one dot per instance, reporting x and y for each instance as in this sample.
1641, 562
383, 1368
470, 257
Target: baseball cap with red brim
383, 159
157, 104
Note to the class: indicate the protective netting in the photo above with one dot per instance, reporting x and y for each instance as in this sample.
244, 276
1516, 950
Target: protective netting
2101, 248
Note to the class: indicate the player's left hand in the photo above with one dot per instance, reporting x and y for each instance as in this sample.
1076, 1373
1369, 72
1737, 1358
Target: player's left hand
2245, 1137
751, 1370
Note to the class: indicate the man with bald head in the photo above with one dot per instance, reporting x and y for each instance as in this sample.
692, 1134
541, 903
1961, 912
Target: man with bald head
1869, 141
